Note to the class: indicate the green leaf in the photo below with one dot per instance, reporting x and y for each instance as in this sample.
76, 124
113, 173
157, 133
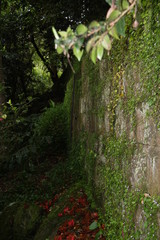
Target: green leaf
125, 4
120, 26
106, 43
119, 4
98, 235
93, 225
9, 102
113, 32
4, 116
94, 24
100, 51
59, 50
114, 15
79, 42
55, 33
91, 42
70, 31
81, 29
94, 55
109, 2
63, 34
89, 45
78, 53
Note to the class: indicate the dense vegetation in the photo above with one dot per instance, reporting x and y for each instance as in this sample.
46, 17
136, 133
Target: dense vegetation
33, 75
44, 165
36, 160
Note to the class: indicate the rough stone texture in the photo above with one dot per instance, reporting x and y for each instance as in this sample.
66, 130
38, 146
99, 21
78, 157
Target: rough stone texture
7, 221
145, 165
137, 125
17, 222
148, 159
49, 226
26, 221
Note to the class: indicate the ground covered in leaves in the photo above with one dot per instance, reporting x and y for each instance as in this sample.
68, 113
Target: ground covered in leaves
64, 209
78, 220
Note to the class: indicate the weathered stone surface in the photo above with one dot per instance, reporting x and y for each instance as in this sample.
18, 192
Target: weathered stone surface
49, 226
26, 222
130, 101
140, 128
17, 222
7, 221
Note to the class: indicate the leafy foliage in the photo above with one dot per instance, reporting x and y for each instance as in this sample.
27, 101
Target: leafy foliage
26, 43
15, 137
99, 35
51, 130
36, 138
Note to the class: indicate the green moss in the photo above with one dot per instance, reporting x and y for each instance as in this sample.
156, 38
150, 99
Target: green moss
113, 193
131, 73
143, 56
119, 213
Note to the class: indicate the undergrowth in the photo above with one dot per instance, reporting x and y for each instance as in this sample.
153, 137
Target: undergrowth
28, 140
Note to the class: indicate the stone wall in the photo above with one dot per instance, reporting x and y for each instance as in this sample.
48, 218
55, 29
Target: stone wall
118, 97
143, 130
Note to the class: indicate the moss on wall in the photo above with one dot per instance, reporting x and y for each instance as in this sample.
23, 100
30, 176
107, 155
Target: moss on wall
116, 122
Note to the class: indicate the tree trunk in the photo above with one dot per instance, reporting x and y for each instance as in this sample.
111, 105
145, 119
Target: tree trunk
2, 96
58, 89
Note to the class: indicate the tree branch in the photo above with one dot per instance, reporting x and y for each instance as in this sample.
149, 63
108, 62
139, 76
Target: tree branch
123, 13
42, 58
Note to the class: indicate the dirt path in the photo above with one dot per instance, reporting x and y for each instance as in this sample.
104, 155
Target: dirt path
65, 212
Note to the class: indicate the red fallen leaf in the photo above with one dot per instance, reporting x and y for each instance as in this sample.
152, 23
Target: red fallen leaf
87, 217
60, 214
50, 202
78, 210
82, 201
55, 198
71, 223
103, 226
46, 207
66, 210
62, 229
81, 235
71, 212
94, 215
85, 228
71, 237
72, 199
58, 238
